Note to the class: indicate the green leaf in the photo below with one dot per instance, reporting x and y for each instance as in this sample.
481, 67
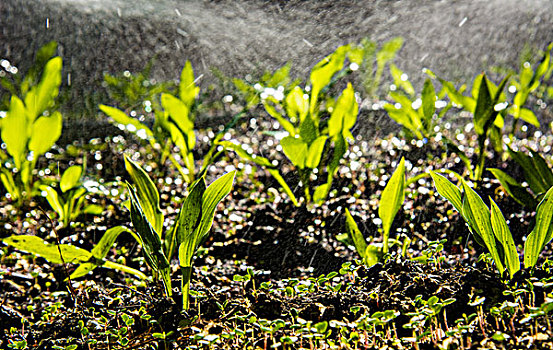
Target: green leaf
45, 132
448, 190
477, 214
100, 251
428, 101
48, 251
70, 178
147, 194
398, 75
189, 217
531, 173
151, 241
542, 232
54, 201
295, 149
391, 201
322, 73
214, 193
178, 111
321, 192
297, 106
276, 174
355, 235
315, 152
15, 131
528, 116
504, 236
484, 107
389, 51
41, 96
514, 189
281, 120
187, 88
543, 169
309, 130
345, 111
121, 118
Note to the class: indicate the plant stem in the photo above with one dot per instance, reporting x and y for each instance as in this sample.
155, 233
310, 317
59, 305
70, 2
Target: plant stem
185, 286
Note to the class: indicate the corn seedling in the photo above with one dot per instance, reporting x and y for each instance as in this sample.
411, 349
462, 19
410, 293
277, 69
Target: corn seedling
68, 253
67, 198
417, 115
174, 121
189, 231
524, 83
490, 229
537, 174
309, 139
391, 201
486, 103
375, 61
31, 127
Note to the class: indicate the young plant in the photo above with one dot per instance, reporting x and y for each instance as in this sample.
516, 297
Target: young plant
417, 115
175, 121
30, 129
527, 81
70, 254
537, 174
67, 198
309, 140
490, 229
187, 234
374, 62
391, 201
485, 104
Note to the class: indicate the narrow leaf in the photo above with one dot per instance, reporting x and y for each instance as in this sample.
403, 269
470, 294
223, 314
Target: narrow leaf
504, 236
542, 232
391, 200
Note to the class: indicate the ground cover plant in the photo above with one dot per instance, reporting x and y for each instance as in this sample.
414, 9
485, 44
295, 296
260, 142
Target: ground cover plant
308, 235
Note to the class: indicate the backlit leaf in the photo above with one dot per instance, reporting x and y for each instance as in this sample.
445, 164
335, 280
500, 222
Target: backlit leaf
504, 236
542, 232
391, 200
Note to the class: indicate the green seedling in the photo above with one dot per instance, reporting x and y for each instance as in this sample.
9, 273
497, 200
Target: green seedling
68, 253
31, 127
537, 174
311, 144
527, 81
174, 122
391, 201
418, 116
67, 199
490, 229
374, 62
486, 103
187, 234
132, 91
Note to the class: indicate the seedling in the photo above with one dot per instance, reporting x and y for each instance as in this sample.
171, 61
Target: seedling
309, 140
490, 229
187, 234
67, 199
174, 122
31, 127
391, 201
537, 174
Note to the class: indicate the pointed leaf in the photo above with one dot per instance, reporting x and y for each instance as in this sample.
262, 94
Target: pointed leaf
477, 214
41, 96
542, 232
315, 152
14, 131
178, 112
322, 73
48, 251
121, 118
504, 236
392, 199
448, 190
355, 235
45, 132
344, 115
297, 106
514, 189
187, 88
147, 194
428, 101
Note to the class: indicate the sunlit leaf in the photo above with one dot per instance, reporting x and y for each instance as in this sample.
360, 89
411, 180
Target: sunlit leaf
70, 178
542, 232
391, 200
